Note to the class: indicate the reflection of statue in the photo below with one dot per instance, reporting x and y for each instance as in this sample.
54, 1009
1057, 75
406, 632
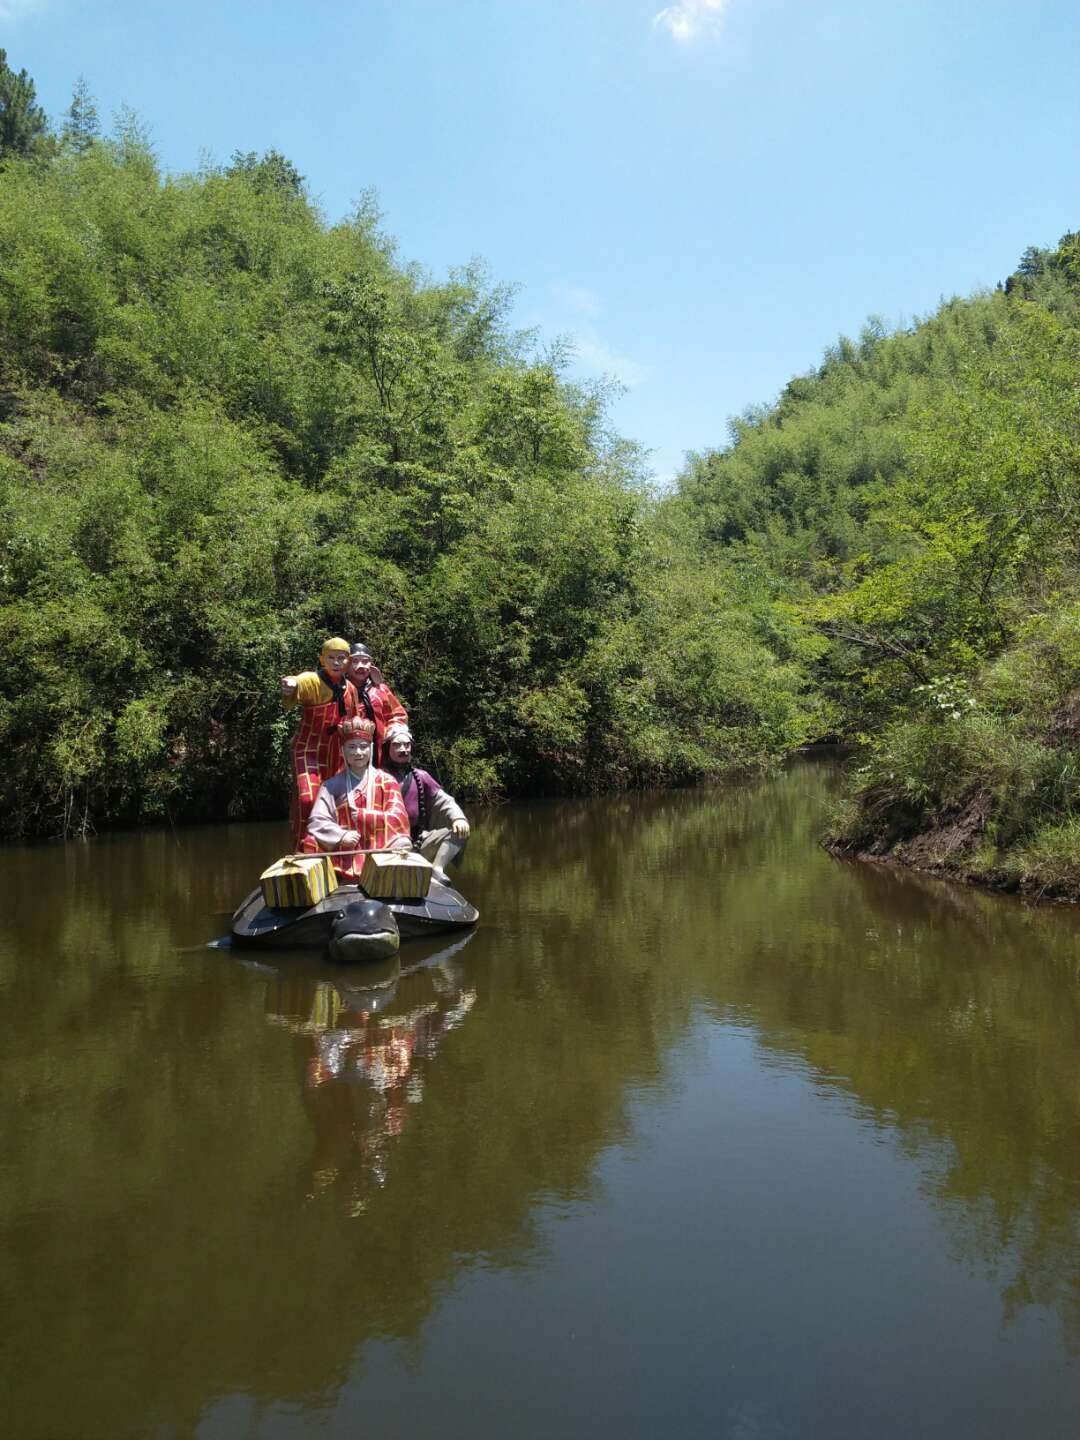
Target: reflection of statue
377, 701
379, 1055
327, 698
359, 809
436, 821
366, 1067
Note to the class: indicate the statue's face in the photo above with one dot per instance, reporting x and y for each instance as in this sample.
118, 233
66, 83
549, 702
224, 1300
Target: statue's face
357, 752
334, 662
359, 668
400, 751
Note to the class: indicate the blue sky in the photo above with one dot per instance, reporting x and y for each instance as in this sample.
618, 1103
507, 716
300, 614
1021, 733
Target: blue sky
703, 195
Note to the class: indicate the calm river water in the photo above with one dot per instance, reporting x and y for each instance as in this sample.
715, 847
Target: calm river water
701, 1133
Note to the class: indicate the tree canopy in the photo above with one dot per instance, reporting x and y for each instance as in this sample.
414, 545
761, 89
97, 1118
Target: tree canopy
915, 499
229, 428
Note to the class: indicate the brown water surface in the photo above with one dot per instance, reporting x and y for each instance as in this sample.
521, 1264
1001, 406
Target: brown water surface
700, 1133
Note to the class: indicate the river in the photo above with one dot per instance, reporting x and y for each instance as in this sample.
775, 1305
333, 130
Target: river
701, 1132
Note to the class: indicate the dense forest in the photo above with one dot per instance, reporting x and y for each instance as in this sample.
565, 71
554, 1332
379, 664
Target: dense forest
915, 500
229, 427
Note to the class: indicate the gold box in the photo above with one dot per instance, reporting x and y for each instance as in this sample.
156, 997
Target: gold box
394, 876
294, 882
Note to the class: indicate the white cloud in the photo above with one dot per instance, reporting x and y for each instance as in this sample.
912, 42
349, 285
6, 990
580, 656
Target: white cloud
691, 18
577, 299
593, 354
12, 9
577, 307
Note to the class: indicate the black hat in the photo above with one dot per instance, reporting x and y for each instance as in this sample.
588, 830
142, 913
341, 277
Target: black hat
359, 649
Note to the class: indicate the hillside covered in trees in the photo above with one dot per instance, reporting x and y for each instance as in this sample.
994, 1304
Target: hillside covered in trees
229, 427
916, 500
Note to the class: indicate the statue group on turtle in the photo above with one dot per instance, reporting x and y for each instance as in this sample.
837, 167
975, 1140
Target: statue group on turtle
355, 786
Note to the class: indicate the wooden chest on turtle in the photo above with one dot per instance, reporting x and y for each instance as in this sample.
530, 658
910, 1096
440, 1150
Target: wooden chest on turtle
298, 881
394, 876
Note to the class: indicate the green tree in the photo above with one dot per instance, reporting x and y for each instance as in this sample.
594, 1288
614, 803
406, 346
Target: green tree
24, 127
81, 124
269, 173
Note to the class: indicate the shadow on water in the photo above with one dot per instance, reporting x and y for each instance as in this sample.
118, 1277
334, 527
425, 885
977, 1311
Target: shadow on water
227, 1177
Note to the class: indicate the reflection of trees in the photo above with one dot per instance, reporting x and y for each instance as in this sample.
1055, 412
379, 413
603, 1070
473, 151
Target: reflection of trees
957, 1021
949, 1015
162, 1137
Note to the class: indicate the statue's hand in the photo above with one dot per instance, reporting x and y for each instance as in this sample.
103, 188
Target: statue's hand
350, 840
460, 829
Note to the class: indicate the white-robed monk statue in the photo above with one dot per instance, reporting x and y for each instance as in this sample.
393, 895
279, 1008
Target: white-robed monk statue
360, 808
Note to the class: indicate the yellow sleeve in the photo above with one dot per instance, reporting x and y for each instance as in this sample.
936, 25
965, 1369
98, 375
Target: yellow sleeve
310, 690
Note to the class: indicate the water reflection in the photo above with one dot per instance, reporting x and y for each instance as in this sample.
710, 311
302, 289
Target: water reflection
372, 1040
221, 1179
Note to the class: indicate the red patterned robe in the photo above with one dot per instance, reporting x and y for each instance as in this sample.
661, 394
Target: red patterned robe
316, 746
379, 703
373, 807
